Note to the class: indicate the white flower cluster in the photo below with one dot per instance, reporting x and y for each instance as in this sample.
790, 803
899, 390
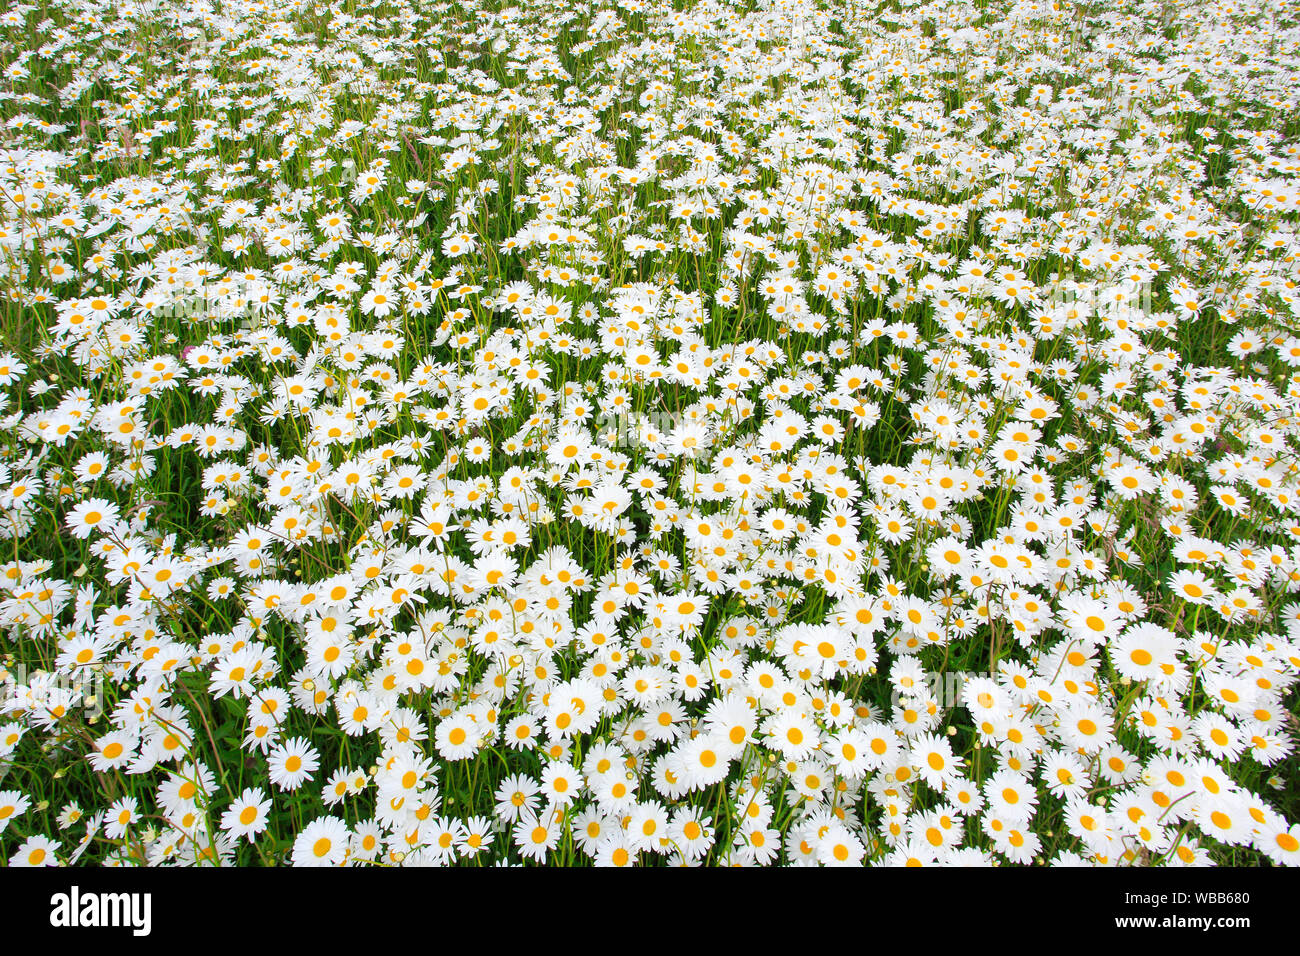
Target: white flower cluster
593, 431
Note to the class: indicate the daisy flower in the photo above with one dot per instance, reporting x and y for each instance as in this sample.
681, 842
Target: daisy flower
322, 842
247, 816
292, 763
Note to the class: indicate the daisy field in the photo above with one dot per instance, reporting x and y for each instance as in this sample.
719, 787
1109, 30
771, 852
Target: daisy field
604, 432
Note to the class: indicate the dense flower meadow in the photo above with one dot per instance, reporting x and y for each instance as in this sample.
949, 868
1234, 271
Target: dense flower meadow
728, 432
